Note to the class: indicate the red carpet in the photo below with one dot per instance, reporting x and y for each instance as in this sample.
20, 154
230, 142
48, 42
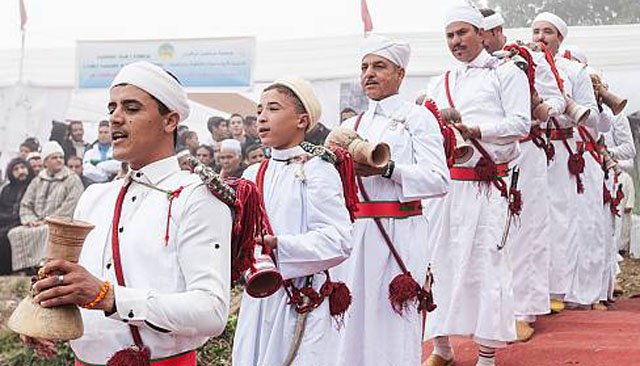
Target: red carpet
585, 338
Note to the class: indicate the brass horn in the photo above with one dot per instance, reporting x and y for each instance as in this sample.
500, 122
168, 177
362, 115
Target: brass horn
363, 151
66, 238
464, 150
614, 102
576, 112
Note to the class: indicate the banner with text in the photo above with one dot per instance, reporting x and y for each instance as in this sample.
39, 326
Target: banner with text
208, 63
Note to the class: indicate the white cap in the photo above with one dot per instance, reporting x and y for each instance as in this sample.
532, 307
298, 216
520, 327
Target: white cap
50, 148
557, 22
464, 13
231, 145
492, 21
304, 91
395, 51
157, 82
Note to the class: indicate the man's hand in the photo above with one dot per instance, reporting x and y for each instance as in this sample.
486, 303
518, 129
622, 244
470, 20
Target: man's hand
468, 132
42, 347
78, 286
269, 242
364, 170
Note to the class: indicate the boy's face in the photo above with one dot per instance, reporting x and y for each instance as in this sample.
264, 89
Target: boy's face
255, 156
279, 124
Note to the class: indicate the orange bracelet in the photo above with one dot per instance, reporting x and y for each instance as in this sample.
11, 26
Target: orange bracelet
103, 292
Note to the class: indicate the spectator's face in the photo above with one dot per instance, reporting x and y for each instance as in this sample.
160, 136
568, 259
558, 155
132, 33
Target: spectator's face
204, 156
251, 128
77, 132
184, 163
379, 77
279, 124
75, 165
216, 151
104, 135
20, 172
24, 151
346, 115
192, 142
255, 156
235, 126
54, 163
464, 41
221, 132
229, 160
36, 165
548, 34
141, 135
493, 39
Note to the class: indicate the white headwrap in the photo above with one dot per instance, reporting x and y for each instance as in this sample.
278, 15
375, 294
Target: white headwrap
303, 90
395, 51
492, 21
464, 13
157, 82
557, 22
50, 148
575, 52
231, 145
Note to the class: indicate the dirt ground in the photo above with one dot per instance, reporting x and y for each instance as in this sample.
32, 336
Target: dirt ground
630, 278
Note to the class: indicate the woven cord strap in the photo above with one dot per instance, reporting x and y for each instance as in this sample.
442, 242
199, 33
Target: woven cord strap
117, 263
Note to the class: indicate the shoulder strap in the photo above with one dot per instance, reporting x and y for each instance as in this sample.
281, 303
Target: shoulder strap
358, 120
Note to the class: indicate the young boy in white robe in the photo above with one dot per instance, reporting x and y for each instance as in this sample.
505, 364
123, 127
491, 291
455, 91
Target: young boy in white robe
311, 225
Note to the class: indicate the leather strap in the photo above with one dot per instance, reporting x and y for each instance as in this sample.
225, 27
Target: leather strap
115, 248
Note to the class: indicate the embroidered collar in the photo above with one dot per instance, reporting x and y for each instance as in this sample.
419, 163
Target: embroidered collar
286, 155
483, 61
157, 171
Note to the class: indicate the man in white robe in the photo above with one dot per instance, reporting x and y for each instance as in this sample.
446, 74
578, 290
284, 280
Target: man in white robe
472, 277
172, 236
578, 257
304, 201
529, 245
374, 333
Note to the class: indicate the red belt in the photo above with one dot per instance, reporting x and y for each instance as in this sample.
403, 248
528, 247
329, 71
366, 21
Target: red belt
391, 209
588, 146
458, 173
561, 134
184, 359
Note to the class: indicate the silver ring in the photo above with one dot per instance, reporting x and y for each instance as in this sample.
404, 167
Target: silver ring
60, 279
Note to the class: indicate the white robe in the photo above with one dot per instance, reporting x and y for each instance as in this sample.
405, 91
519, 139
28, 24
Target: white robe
588, 258
529, 245
563, 231
473, 287
374, 334
307, 212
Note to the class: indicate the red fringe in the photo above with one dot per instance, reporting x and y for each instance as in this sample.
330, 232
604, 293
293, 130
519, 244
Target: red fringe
606, 195
403, 290
515, 204
344, 165
576, 167
615, 202
250, 221
550, 151
449, 138
531, 69
339, 299
131, 357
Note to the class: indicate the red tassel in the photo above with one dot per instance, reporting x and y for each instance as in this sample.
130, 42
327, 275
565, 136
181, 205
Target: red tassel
131, 356
576, 167
449, 138
515, 204
550, 151
344, 165
402, 291
606, 195
531, 69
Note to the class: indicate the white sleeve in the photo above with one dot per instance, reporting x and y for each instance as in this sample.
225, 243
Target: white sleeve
327, 242
583, 94
516, 103
427, 175
624, 148
204, 240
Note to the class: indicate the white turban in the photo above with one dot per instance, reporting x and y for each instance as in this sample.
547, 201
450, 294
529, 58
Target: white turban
557, 22
303, 90
50, 148
231, 145
157, 82
395, 51
574, 52
492, 21
464, 13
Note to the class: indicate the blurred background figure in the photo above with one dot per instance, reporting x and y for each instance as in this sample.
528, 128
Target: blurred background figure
182, 156
19, 175
30, 145
55, 191
205, 154
219, 129
250, 131
347, 113
34, 159
236, 128
189, 140
230, 156
317, 134
254, 154
98, 163
74, 144
74, 164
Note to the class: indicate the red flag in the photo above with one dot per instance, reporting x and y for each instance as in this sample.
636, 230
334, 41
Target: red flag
23, 15
366, 17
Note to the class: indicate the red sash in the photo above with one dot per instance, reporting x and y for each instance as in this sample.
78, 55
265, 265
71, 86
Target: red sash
459, 173
389, 209
184, 359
